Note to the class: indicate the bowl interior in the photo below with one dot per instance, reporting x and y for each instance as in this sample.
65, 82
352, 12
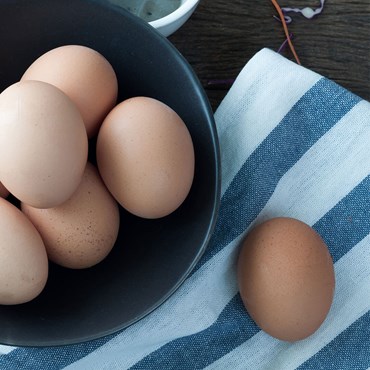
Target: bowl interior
151, 258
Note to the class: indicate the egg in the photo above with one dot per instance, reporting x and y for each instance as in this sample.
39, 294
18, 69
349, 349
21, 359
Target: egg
43, 144
82, 231
84, 75
286, 278
145, 155
3, 191
23, 259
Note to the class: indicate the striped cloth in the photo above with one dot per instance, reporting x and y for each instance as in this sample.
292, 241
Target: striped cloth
293, 144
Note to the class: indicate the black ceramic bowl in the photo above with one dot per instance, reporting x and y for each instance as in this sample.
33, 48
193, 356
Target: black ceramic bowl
151, 258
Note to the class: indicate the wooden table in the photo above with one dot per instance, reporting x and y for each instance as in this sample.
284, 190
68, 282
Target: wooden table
221, 36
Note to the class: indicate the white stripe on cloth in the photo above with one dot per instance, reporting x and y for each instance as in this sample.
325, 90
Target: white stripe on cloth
259, 84
6, 349
200, 300
352, 285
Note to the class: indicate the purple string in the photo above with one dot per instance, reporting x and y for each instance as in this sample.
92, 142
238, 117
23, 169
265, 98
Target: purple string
283, 45
313, 12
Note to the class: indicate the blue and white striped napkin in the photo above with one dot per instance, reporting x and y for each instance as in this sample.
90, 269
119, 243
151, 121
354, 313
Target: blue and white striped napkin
293, 144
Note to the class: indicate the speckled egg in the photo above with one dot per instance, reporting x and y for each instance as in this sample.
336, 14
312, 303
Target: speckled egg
82, 231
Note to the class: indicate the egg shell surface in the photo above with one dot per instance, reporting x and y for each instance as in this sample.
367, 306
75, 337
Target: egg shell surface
82, 231
84, 75
43, 144
23, 259
286, 278
145, 156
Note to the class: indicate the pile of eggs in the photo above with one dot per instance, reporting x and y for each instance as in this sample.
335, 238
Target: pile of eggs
68, 208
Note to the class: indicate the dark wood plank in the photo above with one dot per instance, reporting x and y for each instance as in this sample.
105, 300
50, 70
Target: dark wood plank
222, 36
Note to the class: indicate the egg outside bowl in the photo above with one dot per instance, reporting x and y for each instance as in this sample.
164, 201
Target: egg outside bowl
151, 258
173, 21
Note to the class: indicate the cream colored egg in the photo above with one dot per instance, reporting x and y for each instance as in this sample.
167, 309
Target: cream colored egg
145, 155
43, 144
81, 232
23, 259
84, 75
3, 191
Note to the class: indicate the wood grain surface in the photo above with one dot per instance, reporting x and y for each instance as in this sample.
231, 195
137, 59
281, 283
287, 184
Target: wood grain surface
221, 36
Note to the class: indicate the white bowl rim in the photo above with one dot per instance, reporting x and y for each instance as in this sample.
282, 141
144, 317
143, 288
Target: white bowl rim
184, 8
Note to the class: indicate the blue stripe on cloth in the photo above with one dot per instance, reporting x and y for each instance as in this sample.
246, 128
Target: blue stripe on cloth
202, 349
49, 358
349, 350
313, 115
348, 222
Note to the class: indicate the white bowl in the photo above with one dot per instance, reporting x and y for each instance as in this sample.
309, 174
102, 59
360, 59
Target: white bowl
173, 21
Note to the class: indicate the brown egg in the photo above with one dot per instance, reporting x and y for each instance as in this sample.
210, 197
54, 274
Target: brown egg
84, 75
43, 144
146, 157
23, 259
3, 191
286, 278
82, 231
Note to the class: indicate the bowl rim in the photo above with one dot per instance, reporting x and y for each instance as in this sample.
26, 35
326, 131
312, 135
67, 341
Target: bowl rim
177, 14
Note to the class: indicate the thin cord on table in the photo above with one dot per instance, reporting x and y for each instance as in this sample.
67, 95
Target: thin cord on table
281, 15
